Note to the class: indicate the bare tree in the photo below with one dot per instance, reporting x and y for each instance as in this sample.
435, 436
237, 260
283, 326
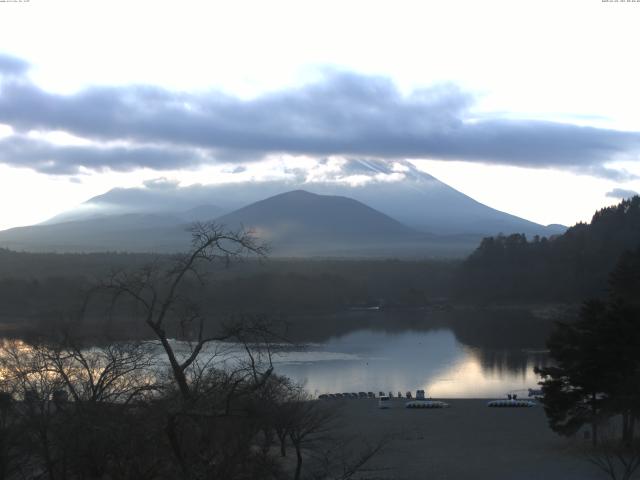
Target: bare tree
26, 377
108, 412
157, 293
341, 460
13, 457
73, 402
111, 373
617, 457
310, 423
212, 426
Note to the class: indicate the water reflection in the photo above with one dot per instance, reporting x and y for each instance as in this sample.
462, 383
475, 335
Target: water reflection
455, 354
434, 360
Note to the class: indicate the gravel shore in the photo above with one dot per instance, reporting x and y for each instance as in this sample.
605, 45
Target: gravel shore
466, 441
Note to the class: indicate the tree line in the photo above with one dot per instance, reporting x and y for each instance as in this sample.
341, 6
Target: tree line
37, 289
568, 267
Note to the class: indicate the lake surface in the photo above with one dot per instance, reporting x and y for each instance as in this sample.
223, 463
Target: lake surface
452, 354
449, 355
435, 361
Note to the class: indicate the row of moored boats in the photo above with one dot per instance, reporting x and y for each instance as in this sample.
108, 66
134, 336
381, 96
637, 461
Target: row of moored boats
422, 402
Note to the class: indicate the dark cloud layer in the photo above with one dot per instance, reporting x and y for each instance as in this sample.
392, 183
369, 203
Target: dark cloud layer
19, 151
344, 114
621, 193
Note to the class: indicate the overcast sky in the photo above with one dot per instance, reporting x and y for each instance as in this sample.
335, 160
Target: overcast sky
530, 107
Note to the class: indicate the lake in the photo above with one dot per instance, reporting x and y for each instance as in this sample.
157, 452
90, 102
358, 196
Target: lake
461, 353
449, 355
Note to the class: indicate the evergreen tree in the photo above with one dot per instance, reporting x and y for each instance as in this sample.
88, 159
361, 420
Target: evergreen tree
597, 371
567, 267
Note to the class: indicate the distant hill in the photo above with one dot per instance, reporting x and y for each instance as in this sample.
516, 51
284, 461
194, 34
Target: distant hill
303, 215
574, 265
201, 213
125, 233
90, 211
299, 222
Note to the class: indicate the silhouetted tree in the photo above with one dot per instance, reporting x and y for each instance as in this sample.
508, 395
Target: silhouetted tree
618, 460
597, 370
113, 409
574, 387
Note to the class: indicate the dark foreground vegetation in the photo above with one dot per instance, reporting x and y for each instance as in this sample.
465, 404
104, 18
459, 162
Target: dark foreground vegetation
72, 410
67, 412
596, 378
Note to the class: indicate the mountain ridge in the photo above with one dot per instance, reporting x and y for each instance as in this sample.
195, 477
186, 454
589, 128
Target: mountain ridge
418, 200
296, 223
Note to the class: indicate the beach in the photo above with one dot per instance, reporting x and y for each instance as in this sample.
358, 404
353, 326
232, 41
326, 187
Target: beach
466, 441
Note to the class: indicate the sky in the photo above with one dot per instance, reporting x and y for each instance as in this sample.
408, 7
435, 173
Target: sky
529, 107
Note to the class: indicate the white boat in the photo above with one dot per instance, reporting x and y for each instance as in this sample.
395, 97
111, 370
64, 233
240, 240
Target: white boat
384, 401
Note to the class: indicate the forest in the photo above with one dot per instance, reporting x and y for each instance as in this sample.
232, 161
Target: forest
39, 289
564, 268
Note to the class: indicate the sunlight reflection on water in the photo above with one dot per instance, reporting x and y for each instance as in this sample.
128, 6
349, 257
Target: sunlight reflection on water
372, 360
433, 360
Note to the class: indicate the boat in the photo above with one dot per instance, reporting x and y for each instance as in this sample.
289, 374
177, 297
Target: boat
426, 404
511, 403
421, 401
384, 401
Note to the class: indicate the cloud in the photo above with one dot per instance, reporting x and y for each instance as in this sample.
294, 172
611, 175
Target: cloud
354, 171
343, 114
621, 193
10, 65
161, 183
238, 169
45, 157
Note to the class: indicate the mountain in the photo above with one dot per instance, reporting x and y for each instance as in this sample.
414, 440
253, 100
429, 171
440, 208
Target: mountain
93, 211
127, 233
201, 213
300, 222
93, 230
397, 189
357, 208
296, 223
303, 215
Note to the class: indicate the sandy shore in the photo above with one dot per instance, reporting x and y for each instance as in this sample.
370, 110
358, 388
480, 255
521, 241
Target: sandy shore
467, 441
